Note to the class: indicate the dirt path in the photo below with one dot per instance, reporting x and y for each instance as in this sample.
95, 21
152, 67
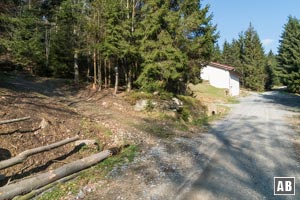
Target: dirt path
256, 145
237, 159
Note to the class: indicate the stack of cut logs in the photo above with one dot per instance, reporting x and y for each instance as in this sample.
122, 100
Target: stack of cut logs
32, 186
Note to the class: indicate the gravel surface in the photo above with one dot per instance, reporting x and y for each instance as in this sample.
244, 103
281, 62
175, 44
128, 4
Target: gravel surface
256, 146
236, 159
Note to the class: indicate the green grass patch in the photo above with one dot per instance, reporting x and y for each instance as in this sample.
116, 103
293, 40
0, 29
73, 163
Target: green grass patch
210, 93
133, 96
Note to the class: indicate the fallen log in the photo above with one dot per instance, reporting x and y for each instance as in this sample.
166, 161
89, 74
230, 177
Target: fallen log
25, 154
40, 180
14, 120
36, 192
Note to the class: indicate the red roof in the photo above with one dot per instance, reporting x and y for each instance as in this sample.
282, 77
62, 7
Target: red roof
221, 66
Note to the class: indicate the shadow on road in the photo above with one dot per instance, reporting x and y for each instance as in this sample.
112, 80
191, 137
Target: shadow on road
291, 101
255, 146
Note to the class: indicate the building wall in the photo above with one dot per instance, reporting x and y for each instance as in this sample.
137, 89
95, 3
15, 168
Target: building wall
234, 85
217, 77
221, 78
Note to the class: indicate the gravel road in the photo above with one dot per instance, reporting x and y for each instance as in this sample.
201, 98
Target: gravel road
236, 159
255, 144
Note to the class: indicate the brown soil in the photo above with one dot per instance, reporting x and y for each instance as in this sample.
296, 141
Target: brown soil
102, 116
64, 111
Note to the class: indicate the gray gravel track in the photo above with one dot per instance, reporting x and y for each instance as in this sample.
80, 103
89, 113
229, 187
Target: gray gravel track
255, 144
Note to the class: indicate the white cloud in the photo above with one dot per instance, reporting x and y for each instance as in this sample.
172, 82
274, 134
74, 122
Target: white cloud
267, 42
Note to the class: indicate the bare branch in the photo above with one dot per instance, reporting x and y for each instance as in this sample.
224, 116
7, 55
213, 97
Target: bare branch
41, 180
23, 156
14, 120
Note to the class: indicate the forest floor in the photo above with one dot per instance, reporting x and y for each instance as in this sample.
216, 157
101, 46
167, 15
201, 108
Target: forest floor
162, 147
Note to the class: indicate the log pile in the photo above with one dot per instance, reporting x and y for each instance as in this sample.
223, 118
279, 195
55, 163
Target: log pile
32, 186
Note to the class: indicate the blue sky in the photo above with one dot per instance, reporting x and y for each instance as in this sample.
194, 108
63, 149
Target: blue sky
267, 17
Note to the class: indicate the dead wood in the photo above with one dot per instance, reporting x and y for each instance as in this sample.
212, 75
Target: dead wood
41, 180
14, 120
23, 156
36, 192
21, 131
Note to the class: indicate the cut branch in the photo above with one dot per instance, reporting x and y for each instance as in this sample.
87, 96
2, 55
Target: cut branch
21, 131
38, 181
14, 120
23, 156
36, 192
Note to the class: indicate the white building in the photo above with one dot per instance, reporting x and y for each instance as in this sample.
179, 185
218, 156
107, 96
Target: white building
222, 76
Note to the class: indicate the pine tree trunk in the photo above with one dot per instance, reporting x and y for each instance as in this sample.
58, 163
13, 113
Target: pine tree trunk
76, 70
95, 69
116, 80
88, 67
29, 4
105, 73
132, 16
129, 78
99, 73
109, 73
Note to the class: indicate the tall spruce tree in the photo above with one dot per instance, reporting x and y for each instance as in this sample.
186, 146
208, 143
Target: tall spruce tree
21, 35
179, 38
271, 71
253, 61
163, 63
67, 38
197, 35
232, 55
289, 55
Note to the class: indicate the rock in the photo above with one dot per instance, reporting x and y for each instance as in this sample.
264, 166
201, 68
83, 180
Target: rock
80, 195
156, 93
176, 104
141, 105
177, 101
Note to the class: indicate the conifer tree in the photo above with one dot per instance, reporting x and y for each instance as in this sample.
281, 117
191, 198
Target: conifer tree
271, 71
179, 38
289, 55
163, 63
22, 36
253, 61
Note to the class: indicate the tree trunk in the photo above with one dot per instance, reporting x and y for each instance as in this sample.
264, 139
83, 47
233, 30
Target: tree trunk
29, 4
36, 192
132, 16
116, 80
105, 73
129, 78
88, 68
14, 120
25, 154
95, 69
127, 7
38, 181
76, 70
99, 73
109, 73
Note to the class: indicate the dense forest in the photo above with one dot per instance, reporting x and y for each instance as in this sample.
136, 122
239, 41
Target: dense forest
153, 45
